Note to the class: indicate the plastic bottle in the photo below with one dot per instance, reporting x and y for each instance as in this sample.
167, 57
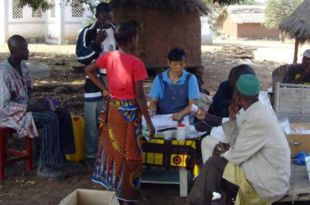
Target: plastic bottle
181, 132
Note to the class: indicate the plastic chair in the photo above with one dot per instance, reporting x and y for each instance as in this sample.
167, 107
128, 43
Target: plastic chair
10, 156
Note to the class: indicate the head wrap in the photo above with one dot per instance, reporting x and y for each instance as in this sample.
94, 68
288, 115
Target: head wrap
306, 53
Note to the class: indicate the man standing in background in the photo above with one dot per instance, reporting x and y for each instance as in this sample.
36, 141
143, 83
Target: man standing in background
95, 40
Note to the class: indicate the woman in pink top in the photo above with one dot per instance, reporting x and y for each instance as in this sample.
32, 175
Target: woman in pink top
119, 159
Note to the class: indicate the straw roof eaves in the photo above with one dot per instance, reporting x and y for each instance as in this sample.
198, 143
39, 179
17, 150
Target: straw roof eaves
297, 25
246, 13
189, 6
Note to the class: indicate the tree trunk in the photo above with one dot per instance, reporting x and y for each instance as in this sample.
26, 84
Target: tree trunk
296, 51
282, 37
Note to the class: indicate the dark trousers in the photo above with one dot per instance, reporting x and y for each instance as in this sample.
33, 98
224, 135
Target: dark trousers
210, 180
65, 131
56, 136
49, 147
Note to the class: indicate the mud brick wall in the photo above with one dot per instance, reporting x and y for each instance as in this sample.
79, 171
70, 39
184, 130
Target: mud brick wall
257, 31
161, 30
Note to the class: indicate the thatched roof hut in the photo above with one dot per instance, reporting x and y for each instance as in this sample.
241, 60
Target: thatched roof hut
164, 24
177, 5
244, 21
297, 25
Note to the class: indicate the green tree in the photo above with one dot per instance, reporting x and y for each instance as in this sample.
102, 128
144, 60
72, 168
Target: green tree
35, 4
277, 10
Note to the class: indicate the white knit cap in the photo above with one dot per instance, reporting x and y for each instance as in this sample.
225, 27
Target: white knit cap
306, 53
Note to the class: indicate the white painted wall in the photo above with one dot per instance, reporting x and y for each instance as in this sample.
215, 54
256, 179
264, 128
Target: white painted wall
28, 30
63, 28
73, 25
27, 26
71, 32
3, 21
206, 31
51, 28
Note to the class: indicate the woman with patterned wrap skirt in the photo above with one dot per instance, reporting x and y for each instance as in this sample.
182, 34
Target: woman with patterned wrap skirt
119, 160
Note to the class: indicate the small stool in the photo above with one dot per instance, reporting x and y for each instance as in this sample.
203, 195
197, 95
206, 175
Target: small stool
10, 156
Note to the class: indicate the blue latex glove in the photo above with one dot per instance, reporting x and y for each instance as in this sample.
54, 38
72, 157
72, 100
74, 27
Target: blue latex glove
300, 158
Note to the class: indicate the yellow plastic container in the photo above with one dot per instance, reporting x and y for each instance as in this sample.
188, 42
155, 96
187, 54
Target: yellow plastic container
78, 131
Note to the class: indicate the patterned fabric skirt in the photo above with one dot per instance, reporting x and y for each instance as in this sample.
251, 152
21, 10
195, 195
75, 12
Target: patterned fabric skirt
119, 159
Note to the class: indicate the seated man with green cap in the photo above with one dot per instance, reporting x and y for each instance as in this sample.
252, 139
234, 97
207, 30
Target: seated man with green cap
254, 168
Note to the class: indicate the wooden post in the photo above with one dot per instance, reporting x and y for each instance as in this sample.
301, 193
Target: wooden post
296, 51
28, 141
62, 21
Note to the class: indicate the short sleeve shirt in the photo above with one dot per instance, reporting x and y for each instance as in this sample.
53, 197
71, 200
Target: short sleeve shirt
157, 90
293, 73
122, 71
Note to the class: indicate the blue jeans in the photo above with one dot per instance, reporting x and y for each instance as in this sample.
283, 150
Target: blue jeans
91, 137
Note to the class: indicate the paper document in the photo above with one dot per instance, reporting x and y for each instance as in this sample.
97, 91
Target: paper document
161, 122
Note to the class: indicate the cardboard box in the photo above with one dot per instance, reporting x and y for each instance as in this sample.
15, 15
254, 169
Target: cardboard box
90, 197
299, 141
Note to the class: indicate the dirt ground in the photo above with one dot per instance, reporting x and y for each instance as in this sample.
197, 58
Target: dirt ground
20, 188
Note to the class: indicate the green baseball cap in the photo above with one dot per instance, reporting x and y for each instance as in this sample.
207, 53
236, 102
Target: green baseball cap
248, 85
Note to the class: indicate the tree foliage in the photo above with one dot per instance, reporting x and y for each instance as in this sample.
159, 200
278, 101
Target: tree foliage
277, 10
35, 4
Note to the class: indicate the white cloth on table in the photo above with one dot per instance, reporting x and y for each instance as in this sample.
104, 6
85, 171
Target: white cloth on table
162, 122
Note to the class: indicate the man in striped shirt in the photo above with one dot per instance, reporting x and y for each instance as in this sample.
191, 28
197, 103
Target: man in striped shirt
95, 40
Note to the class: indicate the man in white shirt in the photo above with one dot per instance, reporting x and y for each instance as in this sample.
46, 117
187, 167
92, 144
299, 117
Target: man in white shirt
255, 166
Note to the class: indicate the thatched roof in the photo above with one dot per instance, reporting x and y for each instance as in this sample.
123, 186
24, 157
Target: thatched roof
179, 5
246, 13
297, 25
